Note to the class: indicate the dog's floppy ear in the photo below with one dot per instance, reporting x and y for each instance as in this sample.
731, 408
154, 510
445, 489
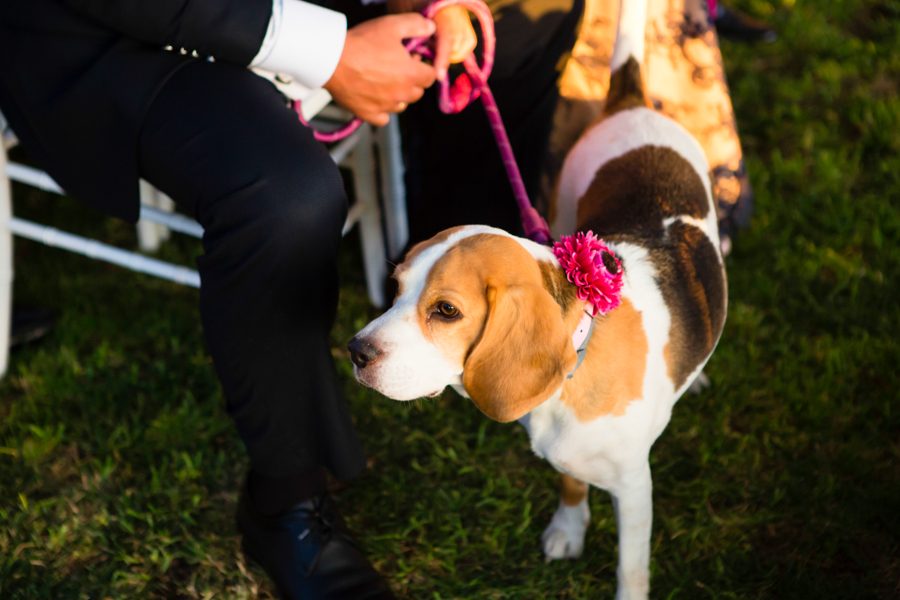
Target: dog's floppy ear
523, 355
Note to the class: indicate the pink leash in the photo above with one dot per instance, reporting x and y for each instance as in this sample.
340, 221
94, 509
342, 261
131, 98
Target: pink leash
465, 89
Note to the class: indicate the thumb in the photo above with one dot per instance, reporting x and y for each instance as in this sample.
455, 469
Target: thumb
412, 25
443, 48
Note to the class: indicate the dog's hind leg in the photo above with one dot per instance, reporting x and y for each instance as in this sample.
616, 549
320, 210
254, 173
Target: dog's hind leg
633, 503
699, 384
564, 537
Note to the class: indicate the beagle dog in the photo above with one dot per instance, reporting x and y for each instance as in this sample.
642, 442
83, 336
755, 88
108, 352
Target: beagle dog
495, 316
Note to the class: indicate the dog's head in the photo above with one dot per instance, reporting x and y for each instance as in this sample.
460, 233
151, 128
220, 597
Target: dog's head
476, 307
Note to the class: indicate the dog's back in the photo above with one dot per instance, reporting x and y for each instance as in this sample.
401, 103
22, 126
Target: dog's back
638, 179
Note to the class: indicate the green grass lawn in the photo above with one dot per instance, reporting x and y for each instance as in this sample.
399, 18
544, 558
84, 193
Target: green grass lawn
119, 469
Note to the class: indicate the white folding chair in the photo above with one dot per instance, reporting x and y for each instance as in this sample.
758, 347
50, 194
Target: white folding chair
358, 152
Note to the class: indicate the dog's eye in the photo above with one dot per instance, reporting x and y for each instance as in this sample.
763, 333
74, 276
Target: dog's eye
447, 310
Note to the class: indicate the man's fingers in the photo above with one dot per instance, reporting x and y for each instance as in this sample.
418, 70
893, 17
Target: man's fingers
376, 76
376, 119
399, 107
442, 55
455, 38
422, 75
416, 95
412, 25
465, 45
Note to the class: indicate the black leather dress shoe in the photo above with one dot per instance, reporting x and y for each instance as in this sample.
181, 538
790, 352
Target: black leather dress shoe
308, 552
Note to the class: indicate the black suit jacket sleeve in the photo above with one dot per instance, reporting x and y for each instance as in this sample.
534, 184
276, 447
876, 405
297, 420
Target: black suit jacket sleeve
229, 30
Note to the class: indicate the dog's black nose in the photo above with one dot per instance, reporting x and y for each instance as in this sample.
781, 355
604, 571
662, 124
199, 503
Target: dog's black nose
362, 352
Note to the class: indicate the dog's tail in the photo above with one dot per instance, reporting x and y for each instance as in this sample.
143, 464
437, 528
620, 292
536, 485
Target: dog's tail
626, 84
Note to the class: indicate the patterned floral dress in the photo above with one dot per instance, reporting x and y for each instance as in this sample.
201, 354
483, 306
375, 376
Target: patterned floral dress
685, 80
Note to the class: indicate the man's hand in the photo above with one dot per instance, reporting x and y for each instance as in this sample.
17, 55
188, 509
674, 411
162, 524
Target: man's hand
455, 38
376, 75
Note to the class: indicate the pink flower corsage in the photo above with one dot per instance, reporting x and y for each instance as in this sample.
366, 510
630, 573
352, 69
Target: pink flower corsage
593, 268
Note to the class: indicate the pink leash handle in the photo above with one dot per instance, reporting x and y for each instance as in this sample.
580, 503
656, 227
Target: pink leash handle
452, 99
334, 136
468, 86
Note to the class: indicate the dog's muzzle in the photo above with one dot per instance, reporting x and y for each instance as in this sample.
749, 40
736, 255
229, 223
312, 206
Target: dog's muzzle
362, 352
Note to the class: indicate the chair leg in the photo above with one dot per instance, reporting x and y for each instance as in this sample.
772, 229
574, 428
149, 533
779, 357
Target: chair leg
365, 184
6, 262
165, 203
393, 188
147, 232
151, 235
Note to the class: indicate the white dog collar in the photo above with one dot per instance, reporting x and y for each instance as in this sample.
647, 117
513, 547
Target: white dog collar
581, 338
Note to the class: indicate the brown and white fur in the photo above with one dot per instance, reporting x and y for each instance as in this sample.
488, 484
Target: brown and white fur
493, 315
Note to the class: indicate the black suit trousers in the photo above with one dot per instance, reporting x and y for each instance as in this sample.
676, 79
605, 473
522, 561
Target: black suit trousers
222, 142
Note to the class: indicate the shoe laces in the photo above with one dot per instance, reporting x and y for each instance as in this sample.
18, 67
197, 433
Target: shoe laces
324, 525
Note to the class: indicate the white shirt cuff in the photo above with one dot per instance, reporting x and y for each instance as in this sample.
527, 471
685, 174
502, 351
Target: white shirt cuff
303, 41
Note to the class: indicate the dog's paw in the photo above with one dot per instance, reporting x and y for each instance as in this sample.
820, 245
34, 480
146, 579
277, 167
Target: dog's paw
558, 545
564, 537
699, 384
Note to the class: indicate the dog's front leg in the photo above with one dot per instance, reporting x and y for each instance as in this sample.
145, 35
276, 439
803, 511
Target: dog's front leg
633, 503
564, 537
